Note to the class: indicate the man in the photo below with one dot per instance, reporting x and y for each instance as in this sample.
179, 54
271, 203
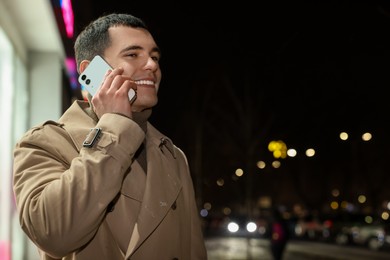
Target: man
102, 182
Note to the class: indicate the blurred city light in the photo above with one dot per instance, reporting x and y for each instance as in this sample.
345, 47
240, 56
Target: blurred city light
368, 219
334, 205
343, 136
233, 227
292, 152
239, 172
362, 199
251, 227
67, 14
260, 164
276, 164
227, 211
335, 193
366, 137
220, 182
204, 212
278, 149
310, 152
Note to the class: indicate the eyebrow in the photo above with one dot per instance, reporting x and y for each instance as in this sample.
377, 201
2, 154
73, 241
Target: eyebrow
137, 47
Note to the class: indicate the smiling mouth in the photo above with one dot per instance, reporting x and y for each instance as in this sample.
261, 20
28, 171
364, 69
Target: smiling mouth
144, 82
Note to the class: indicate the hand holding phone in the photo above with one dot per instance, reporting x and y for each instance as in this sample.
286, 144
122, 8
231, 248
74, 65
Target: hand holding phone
92, 77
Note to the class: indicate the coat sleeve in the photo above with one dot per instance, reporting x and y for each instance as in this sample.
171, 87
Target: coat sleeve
62, 193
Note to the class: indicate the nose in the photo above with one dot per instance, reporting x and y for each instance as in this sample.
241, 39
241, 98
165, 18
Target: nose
151, 64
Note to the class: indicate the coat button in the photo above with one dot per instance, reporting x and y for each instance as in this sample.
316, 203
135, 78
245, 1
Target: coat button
173, 206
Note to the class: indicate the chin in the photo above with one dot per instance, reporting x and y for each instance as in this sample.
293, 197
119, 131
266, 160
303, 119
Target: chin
144, 103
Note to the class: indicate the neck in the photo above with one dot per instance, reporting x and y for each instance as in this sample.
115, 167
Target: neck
141, 118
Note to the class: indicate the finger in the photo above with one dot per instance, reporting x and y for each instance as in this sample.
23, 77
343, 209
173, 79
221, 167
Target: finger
125, 85
107, 84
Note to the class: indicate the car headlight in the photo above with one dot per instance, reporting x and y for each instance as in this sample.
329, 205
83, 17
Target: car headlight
233, 227
251, 227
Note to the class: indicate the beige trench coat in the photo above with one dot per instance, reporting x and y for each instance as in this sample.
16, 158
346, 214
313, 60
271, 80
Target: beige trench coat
98, 203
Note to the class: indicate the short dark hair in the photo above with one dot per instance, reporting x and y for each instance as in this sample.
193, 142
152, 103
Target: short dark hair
94, 39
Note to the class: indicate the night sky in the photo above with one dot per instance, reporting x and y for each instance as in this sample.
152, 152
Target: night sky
239, 75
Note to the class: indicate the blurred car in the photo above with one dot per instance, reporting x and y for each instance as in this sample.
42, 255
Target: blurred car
373, 235
237, 226
243, 226
313, 227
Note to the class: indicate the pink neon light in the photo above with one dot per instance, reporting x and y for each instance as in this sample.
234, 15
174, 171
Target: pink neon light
71, 64
67, 15
5, 250
72, 72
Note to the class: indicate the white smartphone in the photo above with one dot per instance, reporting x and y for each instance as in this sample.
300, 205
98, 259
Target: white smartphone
92, 77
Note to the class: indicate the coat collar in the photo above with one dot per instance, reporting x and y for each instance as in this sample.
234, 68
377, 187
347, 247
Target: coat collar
79, 124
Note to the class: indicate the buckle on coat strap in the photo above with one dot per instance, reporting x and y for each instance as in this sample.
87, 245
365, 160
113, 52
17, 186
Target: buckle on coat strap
92, 137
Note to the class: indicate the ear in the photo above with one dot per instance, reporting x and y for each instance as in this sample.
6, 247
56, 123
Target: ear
83, 65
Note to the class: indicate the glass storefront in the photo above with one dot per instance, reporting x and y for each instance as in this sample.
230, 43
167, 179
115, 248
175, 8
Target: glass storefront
14, 122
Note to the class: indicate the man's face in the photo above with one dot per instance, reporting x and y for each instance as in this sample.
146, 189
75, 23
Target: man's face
135, 50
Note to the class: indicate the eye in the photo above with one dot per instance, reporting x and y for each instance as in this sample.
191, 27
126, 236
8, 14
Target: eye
132, 55
156, 58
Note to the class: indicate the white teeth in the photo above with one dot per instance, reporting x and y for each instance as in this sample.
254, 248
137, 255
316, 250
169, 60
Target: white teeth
144, 82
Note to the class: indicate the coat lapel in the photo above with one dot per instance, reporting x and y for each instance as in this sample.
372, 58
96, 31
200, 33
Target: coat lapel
156, 202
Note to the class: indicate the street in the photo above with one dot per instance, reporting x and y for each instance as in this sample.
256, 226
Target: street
238, 248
